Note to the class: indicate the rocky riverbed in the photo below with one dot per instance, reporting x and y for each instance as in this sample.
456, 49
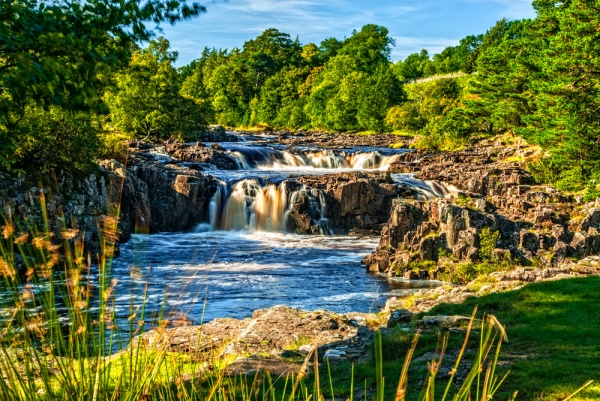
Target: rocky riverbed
490, 211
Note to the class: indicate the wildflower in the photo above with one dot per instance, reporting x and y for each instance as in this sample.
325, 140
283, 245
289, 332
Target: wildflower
69, 234
109, 290
54, 260
41, 242
27, 294
81, 304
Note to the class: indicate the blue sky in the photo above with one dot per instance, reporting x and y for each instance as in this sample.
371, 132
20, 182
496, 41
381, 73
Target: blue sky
415, 25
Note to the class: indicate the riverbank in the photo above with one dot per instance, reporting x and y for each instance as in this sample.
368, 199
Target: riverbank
473, 218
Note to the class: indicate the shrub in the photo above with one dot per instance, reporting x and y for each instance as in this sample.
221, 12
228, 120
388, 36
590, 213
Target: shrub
114, 145
53, 139
487, 243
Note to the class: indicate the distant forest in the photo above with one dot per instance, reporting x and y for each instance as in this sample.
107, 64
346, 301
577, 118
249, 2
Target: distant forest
77, 88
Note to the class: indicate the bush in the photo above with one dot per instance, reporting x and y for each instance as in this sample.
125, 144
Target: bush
114, 145
487, 243
54, 139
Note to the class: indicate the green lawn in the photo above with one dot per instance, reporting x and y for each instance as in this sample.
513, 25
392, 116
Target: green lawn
553, 330
554, 336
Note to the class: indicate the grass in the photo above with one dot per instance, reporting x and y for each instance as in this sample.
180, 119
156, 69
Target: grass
553, 347
82, 354
554, 332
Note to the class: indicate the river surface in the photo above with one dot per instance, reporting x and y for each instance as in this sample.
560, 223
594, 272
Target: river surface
244, 257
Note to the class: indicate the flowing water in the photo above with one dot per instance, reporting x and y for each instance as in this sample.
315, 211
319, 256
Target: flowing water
245, 257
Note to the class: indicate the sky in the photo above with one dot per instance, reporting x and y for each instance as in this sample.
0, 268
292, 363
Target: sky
414, 25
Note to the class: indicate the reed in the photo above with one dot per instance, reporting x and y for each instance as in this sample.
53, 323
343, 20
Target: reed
61, 339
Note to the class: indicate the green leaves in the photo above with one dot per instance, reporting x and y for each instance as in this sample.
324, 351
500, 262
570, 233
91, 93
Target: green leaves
60, 53
146, 99
51, 51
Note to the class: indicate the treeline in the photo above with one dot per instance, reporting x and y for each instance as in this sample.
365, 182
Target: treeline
73, 96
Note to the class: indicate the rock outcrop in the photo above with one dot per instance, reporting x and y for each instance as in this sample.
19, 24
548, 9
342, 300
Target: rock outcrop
216, 133
67, 203
527, 223
354, 201
274, 339
156, 197
150, 195
202, 154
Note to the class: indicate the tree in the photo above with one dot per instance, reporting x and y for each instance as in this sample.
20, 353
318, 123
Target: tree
58, 52
280, 98
329, 48
268, 54
500, 95
344, 87
415, 66
567, 87
381, 91
54, 138
50, 51
458, 58
369, 47
146, 100
434, 111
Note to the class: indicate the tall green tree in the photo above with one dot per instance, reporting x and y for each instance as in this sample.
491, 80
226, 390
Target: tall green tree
57, 52
50, 51
344, 95
145, 100
567, 88
500, 95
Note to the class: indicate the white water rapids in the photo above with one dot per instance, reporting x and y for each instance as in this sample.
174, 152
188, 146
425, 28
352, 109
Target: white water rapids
245, 257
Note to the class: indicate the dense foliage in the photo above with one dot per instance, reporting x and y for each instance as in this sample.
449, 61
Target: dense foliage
79, 61
58, 54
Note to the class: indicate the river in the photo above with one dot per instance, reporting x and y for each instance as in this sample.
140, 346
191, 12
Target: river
246, 257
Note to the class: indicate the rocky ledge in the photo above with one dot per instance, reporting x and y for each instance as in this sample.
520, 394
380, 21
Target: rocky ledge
423, 300
353, 201
328, 140
497, 213
277, 339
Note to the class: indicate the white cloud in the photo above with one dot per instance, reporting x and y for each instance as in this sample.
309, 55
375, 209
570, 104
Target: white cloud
429, 24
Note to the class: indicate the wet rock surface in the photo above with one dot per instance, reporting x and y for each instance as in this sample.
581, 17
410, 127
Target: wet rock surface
354, 201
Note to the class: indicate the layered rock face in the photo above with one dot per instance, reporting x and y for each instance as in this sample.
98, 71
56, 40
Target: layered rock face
354, 201
71, 203
155, 197
167, 188
528, 224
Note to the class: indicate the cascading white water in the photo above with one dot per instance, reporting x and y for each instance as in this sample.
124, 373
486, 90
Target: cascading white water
425, 189
274, 159
250, 205
330, 160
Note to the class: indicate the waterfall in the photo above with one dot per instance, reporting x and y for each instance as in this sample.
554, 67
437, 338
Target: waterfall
266, 158
250, 204
425, 189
